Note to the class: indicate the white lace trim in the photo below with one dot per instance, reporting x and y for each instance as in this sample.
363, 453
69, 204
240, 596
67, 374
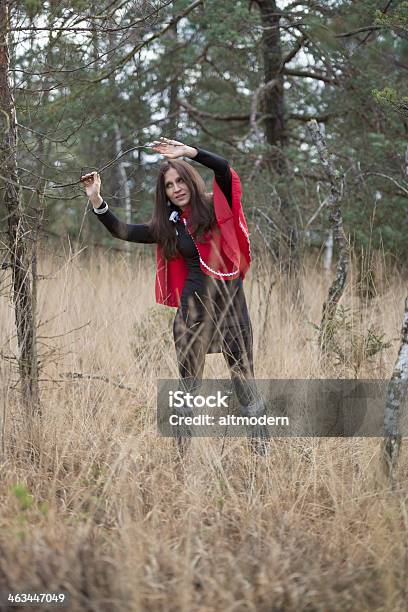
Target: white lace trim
246, 234
218, 273
233, 273
243, 229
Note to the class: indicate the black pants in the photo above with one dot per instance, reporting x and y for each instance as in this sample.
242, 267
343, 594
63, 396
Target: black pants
218, 322
192, 343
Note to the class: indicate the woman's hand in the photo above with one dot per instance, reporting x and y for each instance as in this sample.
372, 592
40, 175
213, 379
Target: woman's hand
92, 182
173, 148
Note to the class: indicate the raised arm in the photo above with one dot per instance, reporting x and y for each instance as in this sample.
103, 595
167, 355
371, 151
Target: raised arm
118, 229
173, 149
221, 169
124, 231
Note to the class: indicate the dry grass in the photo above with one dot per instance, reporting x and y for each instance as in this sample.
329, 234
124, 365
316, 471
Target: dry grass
104, 510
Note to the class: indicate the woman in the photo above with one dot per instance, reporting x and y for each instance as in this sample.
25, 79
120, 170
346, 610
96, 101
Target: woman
203, 254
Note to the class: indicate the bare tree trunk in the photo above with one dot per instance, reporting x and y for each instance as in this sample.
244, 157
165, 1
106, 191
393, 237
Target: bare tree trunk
396, 397
123, 191
272, 100
18, 231
328, 251
173, 111
336, 221
272, 104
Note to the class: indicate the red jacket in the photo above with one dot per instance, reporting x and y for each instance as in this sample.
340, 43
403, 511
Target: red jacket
224, 251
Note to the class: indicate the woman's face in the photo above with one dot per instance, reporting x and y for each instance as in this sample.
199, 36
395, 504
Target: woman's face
176, 189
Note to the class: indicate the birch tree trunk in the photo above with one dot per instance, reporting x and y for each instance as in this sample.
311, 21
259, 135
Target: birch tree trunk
396, 398
124, 190
336, 221
328, 252
18, 230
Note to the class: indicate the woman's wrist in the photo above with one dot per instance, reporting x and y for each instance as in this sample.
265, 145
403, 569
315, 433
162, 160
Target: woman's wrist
190, 152
96, 201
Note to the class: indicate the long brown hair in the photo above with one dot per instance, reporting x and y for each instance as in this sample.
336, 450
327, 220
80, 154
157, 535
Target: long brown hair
202, 216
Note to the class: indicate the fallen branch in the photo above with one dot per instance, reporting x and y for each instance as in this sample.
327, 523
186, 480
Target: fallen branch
81, 376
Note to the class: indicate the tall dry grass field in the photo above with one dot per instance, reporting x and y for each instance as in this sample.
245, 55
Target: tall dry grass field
95, 502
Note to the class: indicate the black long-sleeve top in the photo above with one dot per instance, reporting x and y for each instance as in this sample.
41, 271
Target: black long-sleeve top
197, 282
141, 233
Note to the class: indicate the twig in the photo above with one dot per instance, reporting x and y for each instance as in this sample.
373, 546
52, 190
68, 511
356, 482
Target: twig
65, 333
81, 376
149, 144
390, 178
313, 217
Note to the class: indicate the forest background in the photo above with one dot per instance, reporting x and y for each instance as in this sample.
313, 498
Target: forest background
238, 78
93, 501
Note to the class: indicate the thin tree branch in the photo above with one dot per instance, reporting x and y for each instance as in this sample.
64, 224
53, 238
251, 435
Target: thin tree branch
147, 42
390, 178
53, 28
359, 31
309, 74
81, 376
